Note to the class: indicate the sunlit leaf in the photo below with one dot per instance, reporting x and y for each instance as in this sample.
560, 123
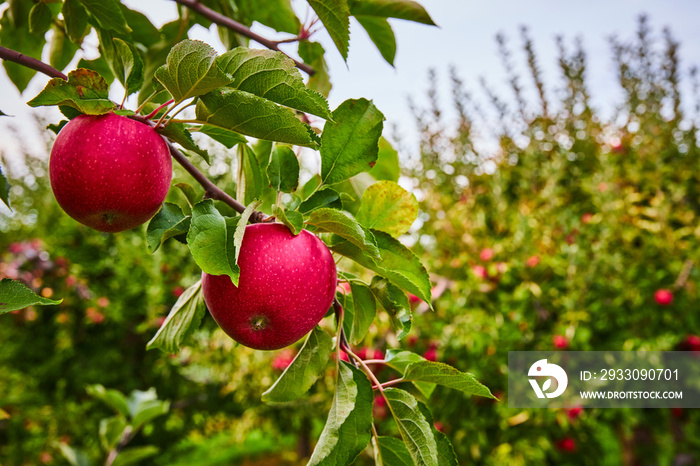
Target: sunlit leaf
15, 295
387, 207
85, 91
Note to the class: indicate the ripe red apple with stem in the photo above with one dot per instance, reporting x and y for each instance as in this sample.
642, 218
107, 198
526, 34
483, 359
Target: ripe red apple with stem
286, 286
109, 172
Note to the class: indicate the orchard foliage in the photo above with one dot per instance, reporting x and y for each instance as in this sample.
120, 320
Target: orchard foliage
562, 240
257, 105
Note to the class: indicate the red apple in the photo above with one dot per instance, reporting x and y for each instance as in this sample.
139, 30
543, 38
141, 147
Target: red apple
486, 254
480, 271
560, 341
567, 444
532, 261
574, 412
109, 172
663, 297
431, 354
286, 286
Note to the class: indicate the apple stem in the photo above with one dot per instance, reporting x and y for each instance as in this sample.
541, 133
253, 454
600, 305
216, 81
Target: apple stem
155, 112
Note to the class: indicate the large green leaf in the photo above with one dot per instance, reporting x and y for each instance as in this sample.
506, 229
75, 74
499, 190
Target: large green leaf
40, 18
326, 197
387, 207
347, 429
15, 295
446, 375
380, 32
272, 76
303, 372
335, 16
346, 227
210, 240
75, 17
283, 169
4, 189
398, 264
14, 34
85, 91
108, 15
255, 116
399, 361
349, 145
291, 219
413, 426
252, 174
61, 50
190, 70
445, 451
277, 14
183, 319
401, 9
168, 222
128, 66
395, 303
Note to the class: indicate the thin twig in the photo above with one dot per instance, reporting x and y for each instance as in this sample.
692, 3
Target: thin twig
225, 21
29, 62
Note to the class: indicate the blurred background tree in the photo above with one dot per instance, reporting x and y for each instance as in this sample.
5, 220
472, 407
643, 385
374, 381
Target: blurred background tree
557, 237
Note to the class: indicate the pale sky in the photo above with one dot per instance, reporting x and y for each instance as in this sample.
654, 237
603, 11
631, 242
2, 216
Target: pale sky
465, 39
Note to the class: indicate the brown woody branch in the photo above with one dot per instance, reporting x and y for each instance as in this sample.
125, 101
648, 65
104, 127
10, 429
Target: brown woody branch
225, 21
32, 63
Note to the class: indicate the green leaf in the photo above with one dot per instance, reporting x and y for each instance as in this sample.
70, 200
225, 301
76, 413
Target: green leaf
380, 32
183, 319
168, 222
191, 70
108, 15
291, 219
18, 38
85, 91
75, 17
143, 31
350, 144
147, 410
335, 16
99, 65
343, 225
254, 116
272, 76
224, 136
445, 451
4, 189
394, 452
189, 192
302, 373
387, 207
178, 132
387, 166
242, 224
57, 127
134, 455
347, 429
399, 361
283, 169
326, 197
61, 51
15, 295
445, 375
401, 9
40, 18
111, 430
252, 175
112, 398
313, 54
74, 456
413, 426
398, 264
128, 66
365, 309
395, 303
210, 240
277, 14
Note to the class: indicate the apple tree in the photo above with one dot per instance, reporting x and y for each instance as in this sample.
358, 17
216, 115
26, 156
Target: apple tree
267, 251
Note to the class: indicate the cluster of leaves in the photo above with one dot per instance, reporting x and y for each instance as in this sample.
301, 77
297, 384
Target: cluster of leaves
560, 241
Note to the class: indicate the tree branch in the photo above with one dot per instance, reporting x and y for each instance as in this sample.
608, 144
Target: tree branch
29, 62
211, 191
225, 21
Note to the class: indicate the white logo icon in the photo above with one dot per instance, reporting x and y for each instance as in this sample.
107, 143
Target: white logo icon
543, 369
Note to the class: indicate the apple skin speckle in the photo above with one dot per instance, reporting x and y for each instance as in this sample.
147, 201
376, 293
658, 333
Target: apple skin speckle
109, 172
288, 282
